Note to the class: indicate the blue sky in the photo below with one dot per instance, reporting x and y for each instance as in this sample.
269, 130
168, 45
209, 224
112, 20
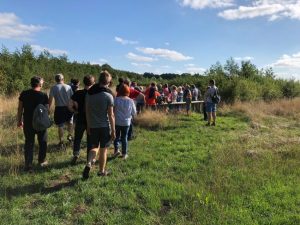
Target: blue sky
159, 35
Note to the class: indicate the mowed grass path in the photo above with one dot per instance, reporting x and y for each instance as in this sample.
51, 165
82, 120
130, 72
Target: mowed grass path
185, 173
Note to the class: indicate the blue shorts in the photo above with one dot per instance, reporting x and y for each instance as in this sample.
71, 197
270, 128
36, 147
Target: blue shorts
210, 107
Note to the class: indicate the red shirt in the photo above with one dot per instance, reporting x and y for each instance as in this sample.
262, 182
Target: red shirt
133, 93
151, 101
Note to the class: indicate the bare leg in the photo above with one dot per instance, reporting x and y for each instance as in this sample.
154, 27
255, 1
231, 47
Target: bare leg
102, 159
214, 116
209, 116
70, 128
60, 134
92, 156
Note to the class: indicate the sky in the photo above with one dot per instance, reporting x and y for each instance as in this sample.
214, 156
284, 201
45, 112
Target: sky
159, 36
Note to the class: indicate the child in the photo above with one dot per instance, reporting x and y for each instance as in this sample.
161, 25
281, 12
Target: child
188, 102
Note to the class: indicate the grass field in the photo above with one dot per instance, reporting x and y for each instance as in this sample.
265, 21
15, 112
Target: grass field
246, 170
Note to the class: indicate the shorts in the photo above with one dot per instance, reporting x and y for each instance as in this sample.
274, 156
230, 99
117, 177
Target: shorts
100, 136
210, 107
62, 115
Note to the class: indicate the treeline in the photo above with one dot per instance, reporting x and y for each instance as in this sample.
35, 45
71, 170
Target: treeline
243, 82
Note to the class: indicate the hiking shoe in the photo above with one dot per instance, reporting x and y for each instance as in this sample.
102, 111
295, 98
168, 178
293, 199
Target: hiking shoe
44, 164
116, 154
86, 171
74, 160
124, 157
104, 174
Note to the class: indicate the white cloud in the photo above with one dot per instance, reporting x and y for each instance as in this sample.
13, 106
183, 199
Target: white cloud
125, 42
167, 43
287, 66
195, 69
38, 48
246, 58
139, 58
189, 65
165, 53
99, 62
201, 4
141, 64
273, 9
11, 27
288, 61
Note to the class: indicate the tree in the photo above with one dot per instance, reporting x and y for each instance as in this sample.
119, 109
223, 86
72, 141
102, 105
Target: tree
231, 68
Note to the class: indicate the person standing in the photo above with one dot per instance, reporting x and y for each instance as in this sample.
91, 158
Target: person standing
77, 105
124, 111
61, 93
210, 106
28, 101
100, 122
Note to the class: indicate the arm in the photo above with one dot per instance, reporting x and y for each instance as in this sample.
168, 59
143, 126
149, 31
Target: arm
19, 114
133, 113
111, 117
50, 101
87, 115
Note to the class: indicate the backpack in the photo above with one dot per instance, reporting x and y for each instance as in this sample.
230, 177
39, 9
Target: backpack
40, 119
216, 98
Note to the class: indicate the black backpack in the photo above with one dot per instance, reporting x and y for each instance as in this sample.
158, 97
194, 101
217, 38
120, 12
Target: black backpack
216, 98
40, 119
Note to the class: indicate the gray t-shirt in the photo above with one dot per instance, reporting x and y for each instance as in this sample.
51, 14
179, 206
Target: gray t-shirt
61, 93
209, 93
97, 106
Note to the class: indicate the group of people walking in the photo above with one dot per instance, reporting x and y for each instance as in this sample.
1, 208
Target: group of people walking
106, 117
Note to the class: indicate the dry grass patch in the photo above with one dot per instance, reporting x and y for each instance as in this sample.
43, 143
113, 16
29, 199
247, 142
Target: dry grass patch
256, 111
152, 119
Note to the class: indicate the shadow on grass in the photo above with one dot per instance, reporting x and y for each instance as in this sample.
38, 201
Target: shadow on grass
30, 189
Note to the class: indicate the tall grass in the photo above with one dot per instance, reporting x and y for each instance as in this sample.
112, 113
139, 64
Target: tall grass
152, 119
259, 110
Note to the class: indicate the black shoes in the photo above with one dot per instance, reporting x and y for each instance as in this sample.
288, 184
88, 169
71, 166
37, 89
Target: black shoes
86, 171
74, 160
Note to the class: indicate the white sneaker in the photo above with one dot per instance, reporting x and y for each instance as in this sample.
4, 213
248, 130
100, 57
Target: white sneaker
44, 164
124, 157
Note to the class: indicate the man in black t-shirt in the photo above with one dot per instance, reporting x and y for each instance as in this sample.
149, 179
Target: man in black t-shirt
77, 105
28, 101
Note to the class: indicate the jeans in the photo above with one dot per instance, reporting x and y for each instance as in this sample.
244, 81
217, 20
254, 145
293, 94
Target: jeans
130, 131
79, 130
121, 135
29, 134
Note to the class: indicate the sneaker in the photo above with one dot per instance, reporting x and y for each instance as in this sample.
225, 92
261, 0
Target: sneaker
74, 160
116, 154
70, 138
44, 164
208, 124
124, 157
213, 124
104, 174
86, 171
